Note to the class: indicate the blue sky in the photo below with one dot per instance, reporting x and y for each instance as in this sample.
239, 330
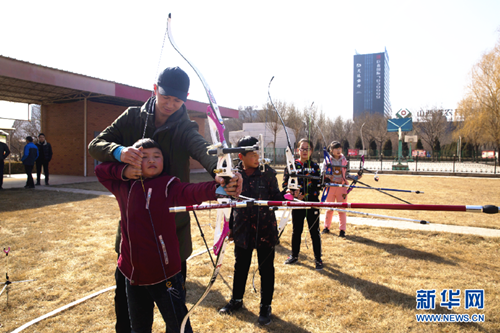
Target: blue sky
307, 46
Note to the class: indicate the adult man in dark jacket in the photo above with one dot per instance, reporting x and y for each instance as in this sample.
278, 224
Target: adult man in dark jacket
163, 118
4, 152
44, 157
30, 155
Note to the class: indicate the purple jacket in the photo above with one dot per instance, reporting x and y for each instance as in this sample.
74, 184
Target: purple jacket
149, 249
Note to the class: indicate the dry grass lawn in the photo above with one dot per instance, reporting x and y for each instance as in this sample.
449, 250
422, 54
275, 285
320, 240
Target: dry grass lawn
66, 242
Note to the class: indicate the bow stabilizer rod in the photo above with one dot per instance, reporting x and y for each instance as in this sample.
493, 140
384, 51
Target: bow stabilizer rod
487, 209
375, 188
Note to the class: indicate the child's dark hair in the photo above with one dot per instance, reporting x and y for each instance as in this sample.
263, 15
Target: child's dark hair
334, 145
29, 139
146, 143
247, 141
306, 141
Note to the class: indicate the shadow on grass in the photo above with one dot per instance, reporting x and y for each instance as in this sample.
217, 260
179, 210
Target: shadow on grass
384, 295
402, 251
20, 199
215, 300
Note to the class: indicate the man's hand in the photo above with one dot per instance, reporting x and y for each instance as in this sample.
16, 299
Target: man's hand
132, 156
131, 172
235, 185
230, 235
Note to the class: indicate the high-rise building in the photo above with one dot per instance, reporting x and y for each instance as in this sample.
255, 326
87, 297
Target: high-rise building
371, 84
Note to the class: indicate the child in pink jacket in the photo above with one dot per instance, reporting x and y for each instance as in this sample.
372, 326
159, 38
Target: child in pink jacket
339, 175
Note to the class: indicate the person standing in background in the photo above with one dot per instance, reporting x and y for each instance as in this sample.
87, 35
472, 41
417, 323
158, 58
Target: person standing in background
4, 152
44, 157
30, 155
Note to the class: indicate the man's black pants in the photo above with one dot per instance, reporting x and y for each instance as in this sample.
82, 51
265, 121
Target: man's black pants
39, 165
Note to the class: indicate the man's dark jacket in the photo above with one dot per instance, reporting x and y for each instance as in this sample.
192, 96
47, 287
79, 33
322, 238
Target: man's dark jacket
44, 151
179, 139
4, 151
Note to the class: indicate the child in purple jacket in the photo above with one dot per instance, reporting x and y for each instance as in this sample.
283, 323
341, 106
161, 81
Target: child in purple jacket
149, 250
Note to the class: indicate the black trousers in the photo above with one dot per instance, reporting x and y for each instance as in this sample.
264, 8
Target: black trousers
39, 165
243, 259
121, 304
29, 171
1, 173
312, 217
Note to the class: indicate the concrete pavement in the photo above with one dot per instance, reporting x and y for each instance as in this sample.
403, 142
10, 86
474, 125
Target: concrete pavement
19, 180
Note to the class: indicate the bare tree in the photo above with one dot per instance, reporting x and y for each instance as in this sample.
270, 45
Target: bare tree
293, 120
24, 128
311, 122
431, 126
271, 118
377, 130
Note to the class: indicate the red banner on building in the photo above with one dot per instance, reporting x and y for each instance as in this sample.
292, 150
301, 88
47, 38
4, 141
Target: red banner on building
353, 152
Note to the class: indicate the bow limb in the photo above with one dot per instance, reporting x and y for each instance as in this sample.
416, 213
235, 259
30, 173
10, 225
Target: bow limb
218, 265
221, 226
285, 217
224, 161
290, 161
224, 169
326, 170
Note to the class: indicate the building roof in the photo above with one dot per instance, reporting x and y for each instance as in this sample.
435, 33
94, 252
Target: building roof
29, 83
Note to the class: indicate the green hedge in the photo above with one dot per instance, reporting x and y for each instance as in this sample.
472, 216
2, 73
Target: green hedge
16, 167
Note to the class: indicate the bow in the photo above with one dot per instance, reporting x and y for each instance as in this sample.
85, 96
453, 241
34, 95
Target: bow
224, 169
290, 165
360, 173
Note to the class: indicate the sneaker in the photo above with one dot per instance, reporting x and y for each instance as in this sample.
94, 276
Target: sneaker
319, 265
291, 260
342, 233
325, 231
265, 315
38, 184
233, 305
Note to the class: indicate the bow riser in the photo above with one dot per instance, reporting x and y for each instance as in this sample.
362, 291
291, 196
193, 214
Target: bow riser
293, 183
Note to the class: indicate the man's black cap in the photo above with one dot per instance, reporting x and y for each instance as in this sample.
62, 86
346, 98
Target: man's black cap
173, 81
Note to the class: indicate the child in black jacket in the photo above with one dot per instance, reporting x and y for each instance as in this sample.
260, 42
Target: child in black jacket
254, 228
